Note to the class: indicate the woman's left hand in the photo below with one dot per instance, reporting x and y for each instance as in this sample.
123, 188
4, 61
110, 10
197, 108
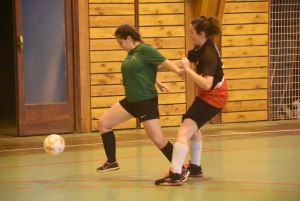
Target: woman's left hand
162, 86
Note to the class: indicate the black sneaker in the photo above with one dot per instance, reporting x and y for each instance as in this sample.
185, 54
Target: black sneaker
184, 174
195, 170
173, 179
108, 167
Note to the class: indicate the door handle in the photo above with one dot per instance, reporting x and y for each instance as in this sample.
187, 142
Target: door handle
20, 43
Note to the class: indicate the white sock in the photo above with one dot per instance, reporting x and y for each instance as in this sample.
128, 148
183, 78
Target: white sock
179, 153
196, 148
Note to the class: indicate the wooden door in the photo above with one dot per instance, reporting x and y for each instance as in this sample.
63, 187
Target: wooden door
44, 60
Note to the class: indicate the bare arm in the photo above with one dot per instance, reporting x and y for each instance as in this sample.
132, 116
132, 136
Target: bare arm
162, 86
178, 63
204, 82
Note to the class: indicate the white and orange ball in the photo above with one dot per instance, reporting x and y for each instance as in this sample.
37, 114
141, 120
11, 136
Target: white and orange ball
54, 144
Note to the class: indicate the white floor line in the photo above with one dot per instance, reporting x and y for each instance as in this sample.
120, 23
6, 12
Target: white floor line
125, 142
248, 133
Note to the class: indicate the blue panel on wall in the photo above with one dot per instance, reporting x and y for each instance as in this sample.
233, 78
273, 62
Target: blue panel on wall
44, 51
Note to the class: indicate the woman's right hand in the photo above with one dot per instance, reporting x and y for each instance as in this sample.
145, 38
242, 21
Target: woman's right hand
185, 63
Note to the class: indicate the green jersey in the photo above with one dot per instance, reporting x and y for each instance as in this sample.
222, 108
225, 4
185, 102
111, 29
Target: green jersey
139, 71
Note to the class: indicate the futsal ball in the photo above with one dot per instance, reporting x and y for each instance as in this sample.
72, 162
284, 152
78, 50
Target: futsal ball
54, 144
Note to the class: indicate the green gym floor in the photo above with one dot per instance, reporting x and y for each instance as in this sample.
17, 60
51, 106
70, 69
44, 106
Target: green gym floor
249, 161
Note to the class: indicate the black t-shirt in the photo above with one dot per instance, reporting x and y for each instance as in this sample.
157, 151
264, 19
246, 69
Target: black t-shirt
207, 61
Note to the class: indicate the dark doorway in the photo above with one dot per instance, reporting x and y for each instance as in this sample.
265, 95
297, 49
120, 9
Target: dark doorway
8, 117
36, 67
45, 66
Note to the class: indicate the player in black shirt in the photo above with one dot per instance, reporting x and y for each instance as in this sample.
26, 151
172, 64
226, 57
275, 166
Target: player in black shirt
212, 97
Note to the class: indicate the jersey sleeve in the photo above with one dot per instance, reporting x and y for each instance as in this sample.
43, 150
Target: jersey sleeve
209, 64
153, 56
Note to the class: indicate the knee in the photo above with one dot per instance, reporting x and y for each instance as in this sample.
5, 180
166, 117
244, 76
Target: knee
103, 126
183, 138
160, 142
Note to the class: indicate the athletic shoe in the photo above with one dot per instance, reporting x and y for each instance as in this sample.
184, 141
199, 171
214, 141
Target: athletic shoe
108, 167
173, 179
184, 174
195, 170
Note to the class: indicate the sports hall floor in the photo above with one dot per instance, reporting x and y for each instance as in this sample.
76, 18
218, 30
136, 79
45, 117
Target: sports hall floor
241, 162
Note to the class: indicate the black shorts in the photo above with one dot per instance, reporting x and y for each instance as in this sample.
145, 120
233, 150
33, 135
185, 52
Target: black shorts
201, 112
143, 110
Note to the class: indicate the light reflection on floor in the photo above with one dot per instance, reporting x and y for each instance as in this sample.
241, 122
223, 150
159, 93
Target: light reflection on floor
261, 163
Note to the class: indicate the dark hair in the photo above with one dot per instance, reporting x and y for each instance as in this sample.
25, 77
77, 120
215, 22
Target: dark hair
210, 26
125, 30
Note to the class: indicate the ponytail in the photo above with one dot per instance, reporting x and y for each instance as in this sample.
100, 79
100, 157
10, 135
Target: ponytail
210, 26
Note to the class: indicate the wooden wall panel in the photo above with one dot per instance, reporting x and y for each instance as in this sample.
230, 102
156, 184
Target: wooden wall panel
240, 106
160, 1
111, 90
160, 8
111, 9
248, 18
172, 109
115, 55
162, 31
116, 78
158, 20
110, 44
258, 94
96, 33
246, 7
252, 40
110, 21
260, 83
244, 116
245, 59
245, 62
246, 74
106, 55
246, 29
168, 43
244, 0
248, 51
105, 67
104, 101
174, 120
162, 24
111, 1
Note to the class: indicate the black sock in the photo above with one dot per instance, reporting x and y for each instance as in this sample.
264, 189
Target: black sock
168, 151
109, 143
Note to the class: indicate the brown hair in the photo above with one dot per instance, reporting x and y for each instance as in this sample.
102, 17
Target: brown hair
125, 30
210, 26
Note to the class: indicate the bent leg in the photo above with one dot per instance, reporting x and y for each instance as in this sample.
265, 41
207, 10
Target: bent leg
113, 116
187, 129
196, 148
154, 132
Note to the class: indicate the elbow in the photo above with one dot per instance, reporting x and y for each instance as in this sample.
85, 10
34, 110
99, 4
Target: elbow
208, 86
160, 68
